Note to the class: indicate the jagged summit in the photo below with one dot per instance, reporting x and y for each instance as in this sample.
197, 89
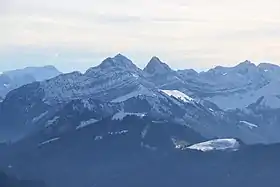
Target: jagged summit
118, 61
119, 55
246, 63
157, 67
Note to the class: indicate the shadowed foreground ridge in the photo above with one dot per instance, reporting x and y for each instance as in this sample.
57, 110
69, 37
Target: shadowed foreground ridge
128, 160
8, 181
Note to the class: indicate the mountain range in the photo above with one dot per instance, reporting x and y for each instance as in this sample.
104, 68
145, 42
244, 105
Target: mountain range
186, 97
116, 119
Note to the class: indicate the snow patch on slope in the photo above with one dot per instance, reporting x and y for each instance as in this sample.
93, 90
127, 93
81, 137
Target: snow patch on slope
86, 123
145, 131
234, 100
52, 121
216, 145
36, 119
120, 115
248, 124
87, 104
178, 95
118, 132
49, 141
97, 138
6, 85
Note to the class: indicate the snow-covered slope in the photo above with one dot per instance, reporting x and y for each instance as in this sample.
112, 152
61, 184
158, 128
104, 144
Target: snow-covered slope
209, 121
244, 84
230, 87
121, 115
232, 100
177, 94
217, 145
227, 87
113, 78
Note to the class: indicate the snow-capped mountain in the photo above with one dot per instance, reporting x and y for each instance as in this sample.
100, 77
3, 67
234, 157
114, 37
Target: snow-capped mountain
227, 87
156, 67
10, 80
240, 86
159, 105
113, 78
117, 125
183, 97
163, 76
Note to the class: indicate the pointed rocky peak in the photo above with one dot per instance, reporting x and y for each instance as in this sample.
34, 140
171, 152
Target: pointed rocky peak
119, 61
111, 64
157, 67
121, 57
246, 68
246, 64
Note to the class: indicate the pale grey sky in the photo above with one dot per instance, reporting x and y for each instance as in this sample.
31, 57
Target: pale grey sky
77, 34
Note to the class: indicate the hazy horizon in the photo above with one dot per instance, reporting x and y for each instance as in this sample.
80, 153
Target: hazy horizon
141, 67
195, 34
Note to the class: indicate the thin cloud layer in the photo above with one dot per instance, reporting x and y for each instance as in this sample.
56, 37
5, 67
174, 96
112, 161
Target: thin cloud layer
195, 33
